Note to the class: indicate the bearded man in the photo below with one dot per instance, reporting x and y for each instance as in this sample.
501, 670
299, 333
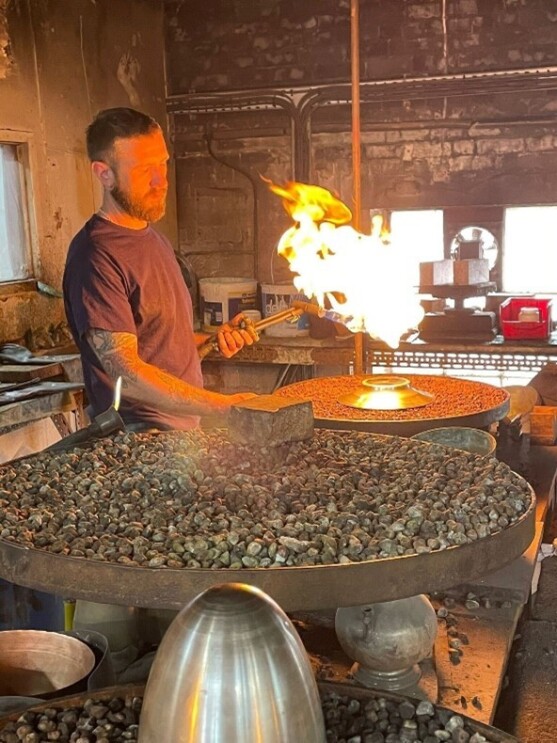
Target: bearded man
127, 305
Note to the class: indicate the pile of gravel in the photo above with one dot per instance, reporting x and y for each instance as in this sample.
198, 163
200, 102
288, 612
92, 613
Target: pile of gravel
196, 500
347, 720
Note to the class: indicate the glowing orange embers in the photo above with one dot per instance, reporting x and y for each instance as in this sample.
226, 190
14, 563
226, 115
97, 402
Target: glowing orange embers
363, 278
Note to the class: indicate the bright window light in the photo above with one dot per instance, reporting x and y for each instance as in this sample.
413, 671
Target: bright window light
15, 250
419, 233
530, 249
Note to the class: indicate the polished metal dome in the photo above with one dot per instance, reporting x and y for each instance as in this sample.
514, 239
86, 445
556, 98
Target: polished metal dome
231, 668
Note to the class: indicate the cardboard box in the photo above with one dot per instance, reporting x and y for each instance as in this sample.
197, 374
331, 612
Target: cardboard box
470, 272
543, 425
436, 273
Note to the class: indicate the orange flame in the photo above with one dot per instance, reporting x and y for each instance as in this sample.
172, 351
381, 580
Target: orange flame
363, 278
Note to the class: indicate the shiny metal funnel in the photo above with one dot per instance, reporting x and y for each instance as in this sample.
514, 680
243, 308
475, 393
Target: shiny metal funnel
232, 668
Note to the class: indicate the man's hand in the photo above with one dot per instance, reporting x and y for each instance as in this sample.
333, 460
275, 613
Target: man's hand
235, 334
225, 402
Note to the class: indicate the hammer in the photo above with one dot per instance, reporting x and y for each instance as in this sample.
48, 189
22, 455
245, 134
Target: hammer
103, 424
270, 420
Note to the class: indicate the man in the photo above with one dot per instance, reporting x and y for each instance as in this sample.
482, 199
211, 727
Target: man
130, 312
127, 305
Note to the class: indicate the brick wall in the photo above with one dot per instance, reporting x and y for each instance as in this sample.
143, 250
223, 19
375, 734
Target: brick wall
481, 142
238, 44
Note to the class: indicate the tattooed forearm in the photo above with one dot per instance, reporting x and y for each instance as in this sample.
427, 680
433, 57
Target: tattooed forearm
118, 354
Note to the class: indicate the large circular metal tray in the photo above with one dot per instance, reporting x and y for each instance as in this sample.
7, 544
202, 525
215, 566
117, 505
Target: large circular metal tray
344, 690
476, 412
294, 588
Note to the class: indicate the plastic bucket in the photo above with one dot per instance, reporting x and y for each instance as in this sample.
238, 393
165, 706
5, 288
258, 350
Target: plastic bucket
222, 298
276, 298
469, 439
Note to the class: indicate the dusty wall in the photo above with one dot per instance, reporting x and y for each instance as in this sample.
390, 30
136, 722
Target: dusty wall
62, 62
464, 144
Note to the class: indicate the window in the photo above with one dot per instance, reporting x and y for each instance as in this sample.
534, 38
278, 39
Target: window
530, 250
419, 232
15, 245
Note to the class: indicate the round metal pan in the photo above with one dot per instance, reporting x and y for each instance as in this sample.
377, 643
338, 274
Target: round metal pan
409, 427
399, 422
345, 690
294, 588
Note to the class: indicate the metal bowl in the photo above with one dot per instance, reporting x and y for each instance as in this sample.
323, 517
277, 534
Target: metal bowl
37, 663
469, 439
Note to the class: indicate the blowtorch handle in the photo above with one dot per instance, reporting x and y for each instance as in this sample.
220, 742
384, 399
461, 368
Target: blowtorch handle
211, 343
288, 314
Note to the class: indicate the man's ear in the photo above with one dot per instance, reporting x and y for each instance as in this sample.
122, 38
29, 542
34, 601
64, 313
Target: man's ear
104, 173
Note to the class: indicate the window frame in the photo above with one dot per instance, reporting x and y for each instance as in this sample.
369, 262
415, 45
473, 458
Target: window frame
27, 159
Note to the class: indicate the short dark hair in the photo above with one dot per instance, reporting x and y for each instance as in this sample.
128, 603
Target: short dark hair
115, 123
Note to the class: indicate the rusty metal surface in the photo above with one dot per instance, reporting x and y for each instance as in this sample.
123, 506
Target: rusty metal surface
474, 413
294, 588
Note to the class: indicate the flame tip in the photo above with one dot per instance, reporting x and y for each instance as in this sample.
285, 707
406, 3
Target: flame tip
360, 277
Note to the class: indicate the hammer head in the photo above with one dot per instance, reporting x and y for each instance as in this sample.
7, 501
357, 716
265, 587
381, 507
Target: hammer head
107, 422
269, 420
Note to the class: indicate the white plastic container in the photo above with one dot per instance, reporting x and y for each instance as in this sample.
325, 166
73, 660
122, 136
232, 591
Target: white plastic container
276, 298
222, 298
253, 315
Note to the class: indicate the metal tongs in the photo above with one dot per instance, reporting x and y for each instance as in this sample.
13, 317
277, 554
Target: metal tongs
292, 312
102, 424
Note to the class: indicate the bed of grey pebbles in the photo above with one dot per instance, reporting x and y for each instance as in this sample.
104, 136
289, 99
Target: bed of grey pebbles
195, 500
347, 720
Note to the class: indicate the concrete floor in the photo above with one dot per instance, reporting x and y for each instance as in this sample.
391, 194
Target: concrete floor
527, 706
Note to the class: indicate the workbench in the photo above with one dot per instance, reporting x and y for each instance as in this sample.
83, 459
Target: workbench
498, 354
17, 416
273, 362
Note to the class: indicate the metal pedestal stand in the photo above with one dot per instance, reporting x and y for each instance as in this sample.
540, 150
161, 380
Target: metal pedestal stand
388, 641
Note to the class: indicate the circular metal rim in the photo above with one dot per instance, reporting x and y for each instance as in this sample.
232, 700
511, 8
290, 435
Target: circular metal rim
479, 419
138, 690
408, 428
293, 588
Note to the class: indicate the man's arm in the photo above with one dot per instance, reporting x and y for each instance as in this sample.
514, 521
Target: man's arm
146, 383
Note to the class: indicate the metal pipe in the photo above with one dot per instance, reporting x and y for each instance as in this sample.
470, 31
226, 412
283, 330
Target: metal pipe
262, 98
359, 352
253, 182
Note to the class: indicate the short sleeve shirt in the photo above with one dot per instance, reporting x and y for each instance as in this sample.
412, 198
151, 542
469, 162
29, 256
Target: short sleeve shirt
129, 281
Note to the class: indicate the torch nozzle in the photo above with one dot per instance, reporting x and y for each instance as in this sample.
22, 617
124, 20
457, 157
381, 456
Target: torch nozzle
317, 311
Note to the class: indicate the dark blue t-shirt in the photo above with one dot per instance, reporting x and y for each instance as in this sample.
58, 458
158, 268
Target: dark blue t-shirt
129, 281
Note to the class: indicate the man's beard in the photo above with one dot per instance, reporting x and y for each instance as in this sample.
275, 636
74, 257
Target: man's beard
140, 209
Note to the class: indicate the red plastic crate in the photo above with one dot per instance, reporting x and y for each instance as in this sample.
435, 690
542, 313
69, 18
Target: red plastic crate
512, 328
